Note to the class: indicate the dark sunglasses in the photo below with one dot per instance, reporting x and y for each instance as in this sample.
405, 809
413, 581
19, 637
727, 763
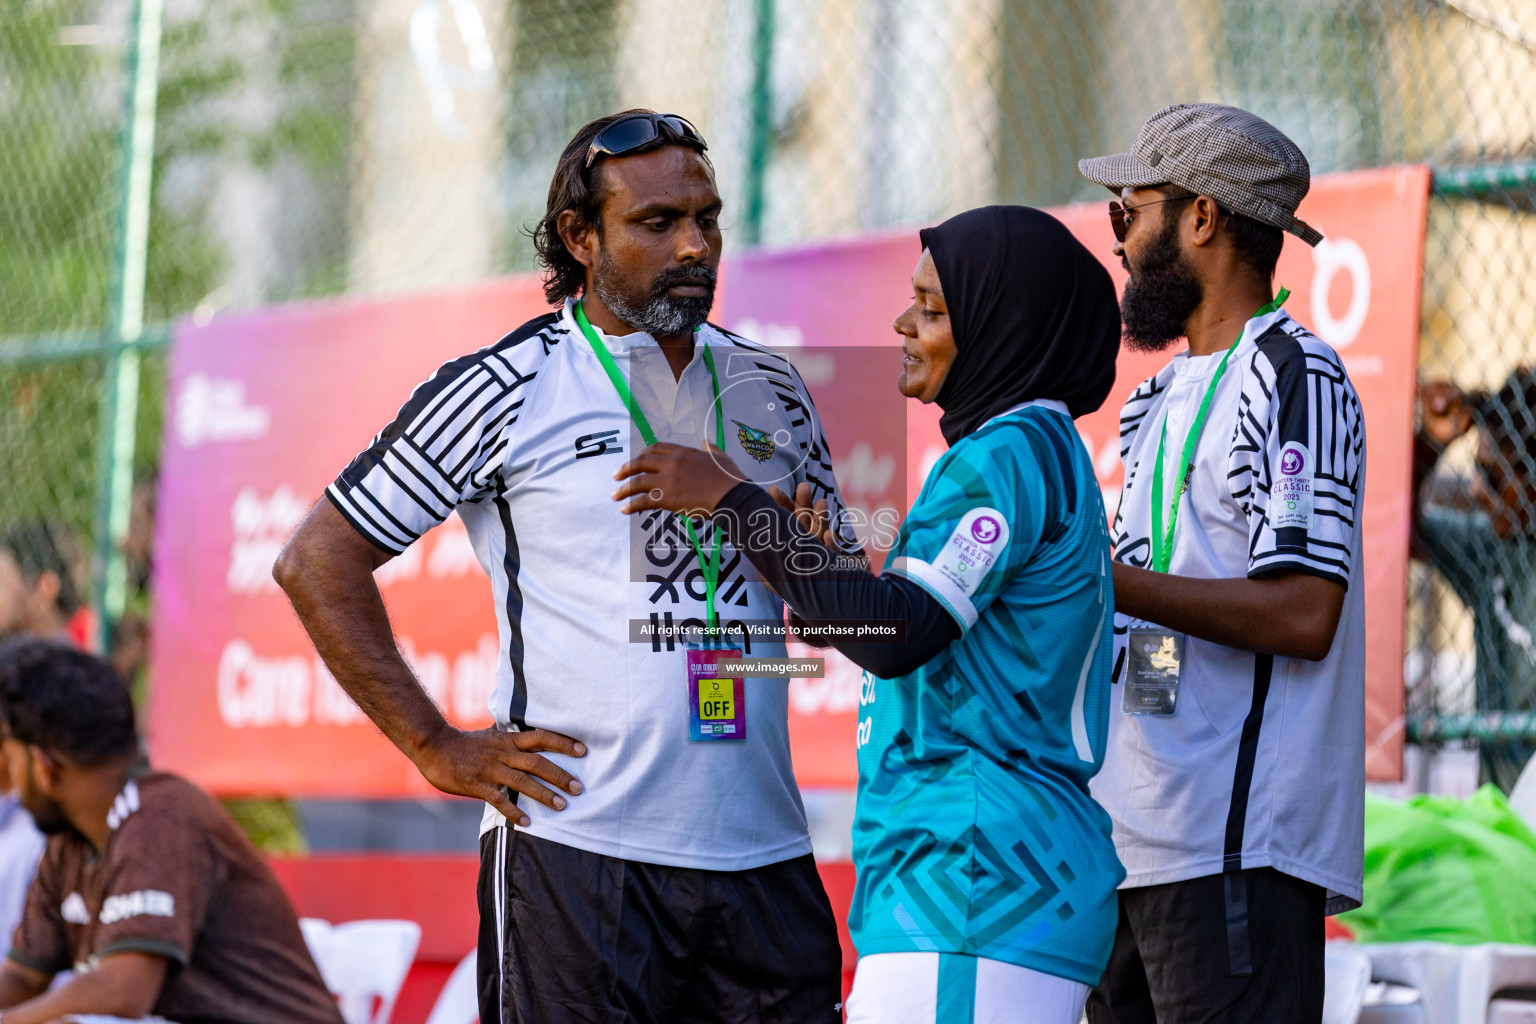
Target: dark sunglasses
630, 133
1120, 214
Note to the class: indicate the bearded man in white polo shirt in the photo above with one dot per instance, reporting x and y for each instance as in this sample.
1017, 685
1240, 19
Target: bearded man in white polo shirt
674, 881
1236, 764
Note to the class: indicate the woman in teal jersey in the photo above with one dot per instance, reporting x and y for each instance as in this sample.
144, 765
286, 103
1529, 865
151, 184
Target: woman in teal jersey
986, 874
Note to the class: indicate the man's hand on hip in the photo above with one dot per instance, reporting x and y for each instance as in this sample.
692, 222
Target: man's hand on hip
326, 569
487, 763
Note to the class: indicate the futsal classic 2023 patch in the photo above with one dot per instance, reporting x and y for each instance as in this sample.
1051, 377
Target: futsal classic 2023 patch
1290, 498
973, 548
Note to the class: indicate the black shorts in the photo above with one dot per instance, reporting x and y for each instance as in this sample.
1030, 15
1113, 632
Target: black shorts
567, 936
1181, 957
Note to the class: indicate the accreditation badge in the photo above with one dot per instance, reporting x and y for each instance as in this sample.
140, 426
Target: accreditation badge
717, 703
1152, 660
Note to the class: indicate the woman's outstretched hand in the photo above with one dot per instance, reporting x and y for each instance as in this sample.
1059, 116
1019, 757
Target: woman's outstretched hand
676, 478
811, 515
813, 518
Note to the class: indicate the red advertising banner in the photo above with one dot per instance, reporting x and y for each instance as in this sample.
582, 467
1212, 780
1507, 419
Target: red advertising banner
265, 408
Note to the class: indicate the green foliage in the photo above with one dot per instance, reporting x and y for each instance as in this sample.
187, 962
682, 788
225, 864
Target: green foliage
63, 87
61, 109
273, 826
48, 426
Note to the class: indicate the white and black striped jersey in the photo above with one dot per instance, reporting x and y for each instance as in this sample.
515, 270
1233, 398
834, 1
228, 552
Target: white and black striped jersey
1263, 764
523, 438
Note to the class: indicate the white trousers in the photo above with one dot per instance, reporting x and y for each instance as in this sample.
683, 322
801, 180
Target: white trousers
950, 988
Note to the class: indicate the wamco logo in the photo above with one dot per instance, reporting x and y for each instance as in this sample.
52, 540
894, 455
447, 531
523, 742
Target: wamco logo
589, 445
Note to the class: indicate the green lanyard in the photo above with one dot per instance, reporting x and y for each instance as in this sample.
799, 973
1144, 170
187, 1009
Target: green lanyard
709, 567
1162, 535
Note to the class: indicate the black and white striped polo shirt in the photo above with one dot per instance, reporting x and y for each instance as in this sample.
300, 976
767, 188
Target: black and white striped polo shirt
522, 438
1263, 765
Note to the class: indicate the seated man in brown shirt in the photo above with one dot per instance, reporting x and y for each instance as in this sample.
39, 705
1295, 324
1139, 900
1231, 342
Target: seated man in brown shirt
147, 889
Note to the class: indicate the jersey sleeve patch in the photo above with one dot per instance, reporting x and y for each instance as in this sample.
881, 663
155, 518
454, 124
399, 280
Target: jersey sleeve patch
1297, 468
972, 551
1291, 496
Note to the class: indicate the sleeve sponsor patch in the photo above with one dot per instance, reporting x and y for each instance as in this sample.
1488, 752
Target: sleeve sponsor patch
145, 902
973, 549
1291, 494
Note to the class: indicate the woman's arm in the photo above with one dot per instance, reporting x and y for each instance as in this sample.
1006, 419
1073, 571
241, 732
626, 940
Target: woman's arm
822, 587
813, 580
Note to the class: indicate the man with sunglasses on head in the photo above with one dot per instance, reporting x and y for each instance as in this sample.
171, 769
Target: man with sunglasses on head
674, 881
1235, 771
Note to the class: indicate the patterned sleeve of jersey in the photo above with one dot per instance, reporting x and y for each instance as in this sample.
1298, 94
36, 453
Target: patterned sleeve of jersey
1298, 458
978, 519
795, 399
1132, 415
1136, 408
816, 470
445, 445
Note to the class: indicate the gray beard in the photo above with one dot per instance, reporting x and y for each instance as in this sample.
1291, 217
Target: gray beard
659, 315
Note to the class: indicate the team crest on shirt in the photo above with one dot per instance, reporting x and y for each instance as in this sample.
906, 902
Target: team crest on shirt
757, 443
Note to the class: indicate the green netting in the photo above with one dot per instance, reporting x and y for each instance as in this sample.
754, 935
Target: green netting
372, 148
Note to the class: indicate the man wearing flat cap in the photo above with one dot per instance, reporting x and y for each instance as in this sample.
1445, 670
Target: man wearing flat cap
1235, 773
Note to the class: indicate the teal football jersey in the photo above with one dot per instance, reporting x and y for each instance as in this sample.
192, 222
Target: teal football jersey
975, 832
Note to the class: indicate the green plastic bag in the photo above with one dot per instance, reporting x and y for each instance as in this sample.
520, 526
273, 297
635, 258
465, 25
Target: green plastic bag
1447, 869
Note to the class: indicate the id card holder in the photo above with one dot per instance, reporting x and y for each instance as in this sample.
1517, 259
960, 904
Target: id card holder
717, 703
1152, 662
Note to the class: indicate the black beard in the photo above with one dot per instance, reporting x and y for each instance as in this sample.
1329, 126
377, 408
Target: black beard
47, 814
1160, 295
656, 312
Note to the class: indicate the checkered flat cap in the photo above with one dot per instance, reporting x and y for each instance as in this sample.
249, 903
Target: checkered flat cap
1241, 160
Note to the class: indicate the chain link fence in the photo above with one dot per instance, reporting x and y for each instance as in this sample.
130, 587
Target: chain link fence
374, 147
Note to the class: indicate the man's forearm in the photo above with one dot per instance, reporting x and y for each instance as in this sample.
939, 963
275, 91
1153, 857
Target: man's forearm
327, 571
332, 589
123, 985
1293, 615
18, 984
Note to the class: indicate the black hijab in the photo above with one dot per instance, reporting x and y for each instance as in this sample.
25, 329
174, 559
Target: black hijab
1033, 313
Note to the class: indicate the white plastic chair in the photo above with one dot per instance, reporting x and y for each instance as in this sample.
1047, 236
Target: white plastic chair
1386, 1003
1511, 1011
459, 1002
363, 963
1456, 982
1346, 974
